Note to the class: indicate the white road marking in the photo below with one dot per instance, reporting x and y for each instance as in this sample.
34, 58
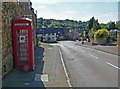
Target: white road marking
93, 56
39, 77
112, 65
68, 80
44, 77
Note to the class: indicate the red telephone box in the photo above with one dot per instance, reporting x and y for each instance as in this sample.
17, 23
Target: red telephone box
23, 44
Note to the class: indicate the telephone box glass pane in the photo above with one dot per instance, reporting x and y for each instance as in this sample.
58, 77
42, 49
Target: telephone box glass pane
22, 46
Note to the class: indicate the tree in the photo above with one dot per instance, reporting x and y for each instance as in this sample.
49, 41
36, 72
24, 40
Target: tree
118, 25
91, 22
103, 26
54, 25
91, 27
41, 20
111, 25
96, 25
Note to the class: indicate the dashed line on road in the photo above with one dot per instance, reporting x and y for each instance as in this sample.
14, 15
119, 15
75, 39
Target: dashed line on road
68, 80
112, 65
93, 56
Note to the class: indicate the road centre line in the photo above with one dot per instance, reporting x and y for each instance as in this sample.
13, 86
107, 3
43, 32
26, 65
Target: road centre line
112, 65
93, 56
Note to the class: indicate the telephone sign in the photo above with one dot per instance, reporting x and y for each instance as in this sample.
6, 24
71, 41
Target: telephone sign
21, 24
22, 39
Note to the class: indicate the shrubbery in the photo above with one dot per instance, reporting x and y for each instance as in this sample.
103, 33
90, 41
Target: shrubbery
101, 33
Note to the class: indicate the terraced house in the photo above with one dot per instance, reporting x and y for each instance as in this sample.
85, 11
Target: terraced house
10, 11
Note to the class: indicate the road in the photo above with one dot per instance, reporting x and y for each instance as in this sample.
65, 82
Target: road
89, 68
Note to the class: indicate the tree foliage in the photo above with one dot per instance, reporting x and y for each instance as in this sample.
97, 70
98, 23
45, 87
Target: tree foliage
101, 33
111, 25
118, 25
52, 23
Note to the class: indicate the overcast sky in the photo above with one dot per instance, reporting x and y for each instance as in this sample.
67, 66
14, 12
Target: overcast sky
104, 10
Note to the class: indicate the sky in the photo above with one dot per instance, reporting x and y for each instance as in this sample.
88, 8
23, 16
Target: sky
104, 10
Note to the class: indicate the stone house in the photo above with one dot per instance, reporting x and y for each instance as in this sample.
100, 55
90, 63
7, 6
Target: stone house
113, 34
52, 34
47, 34
10, 11
75, 34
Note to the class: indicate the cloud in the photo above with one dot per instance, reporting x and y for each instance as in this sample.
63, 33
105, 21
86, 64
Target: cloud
45, 12
107, 17
41, 7
55, 1
69, 14
86, 17
45, 1
55, 15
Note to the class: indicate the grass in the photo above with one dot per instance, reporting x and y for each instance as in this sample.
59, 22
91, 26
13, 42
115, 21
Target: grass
46, 44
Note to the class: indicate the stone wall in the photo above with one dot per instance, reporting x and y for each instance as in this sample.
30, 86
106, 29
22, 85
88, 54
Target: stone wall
0, 38
10, 11
7, 50
100, 41
118, 39
118, 42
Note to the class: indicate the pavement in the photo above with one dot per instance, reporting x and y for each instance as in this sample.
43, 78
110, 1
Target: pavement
54, 68
48, 71
106, 48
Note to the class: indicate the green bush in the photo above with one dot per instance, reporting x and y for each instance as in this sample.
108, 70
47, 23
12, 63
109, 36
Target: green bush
101, 33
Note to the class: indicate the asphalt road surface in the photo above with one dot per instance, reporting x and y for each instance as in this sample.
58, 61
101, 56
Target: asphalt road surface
88, 67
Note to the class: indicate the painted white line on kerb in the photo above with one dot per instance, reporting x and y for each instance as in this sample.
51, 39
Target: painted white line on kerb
93, 56
68, 80
112, 65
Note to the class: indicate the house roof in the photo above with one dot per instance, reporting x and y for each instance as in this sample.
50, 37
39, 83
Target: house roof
50, 30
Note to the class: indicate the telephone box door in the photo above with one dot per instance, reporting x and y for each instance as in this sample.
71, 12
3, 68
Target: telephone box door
22, 47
